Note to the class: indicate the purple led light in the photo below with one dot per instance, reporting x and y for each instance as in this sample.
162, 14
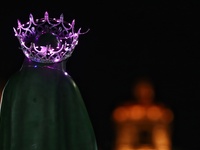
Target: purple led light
47, 40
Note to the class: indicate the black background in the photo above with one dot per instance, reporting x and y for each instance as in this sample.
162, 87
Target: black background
127, 39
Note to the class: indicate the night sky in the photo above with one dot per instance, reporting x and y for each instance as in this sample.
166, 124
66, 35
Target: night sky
127, 40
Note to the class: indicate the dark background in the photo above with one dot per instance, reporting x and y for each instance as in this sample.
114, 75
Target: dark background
127, 39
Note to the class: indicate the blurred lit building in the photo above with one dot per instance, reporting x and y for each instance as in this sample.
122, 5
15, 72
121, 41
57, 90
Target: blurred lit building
140, 124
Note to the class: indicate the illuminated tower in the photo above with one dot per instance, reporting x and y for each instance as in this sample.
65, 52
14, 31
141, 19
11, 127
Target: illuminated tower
142, 124
42, 108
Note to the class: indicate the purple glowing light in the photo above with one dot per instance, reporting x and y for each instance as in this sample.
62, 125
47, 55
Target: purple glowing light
47, 40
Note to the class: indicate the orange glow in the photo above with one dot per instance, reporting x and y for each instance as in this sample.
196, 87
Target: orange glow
143, 91
145, 147
121, 114
161, 138
169, 116
142, 125
154, 113
137, 112
124, 147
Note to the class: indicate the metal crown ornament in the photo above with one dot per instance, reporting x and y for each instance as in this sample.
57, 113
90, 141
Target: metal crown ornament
47, 40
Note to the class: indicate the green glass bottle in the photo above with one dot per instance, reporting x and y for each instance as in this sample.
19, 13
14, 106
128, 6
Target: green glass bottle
42, 107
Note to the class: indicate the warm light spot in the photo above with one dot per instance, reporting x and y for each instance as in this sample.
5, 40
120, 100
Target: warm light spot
168, 117
145, 147
120, 114
161, 135
144, 92
154, 113
137, 112
124, 147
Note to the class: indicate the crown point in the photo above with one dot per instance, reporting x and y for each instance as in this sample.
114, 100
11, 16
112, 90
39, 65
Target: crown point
62, 17
31, 17
19, 23
15, 31
46, 15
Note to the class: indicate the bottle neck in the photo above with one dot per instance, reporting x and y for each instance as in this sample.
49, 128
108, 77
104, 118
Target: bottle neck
61, 66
